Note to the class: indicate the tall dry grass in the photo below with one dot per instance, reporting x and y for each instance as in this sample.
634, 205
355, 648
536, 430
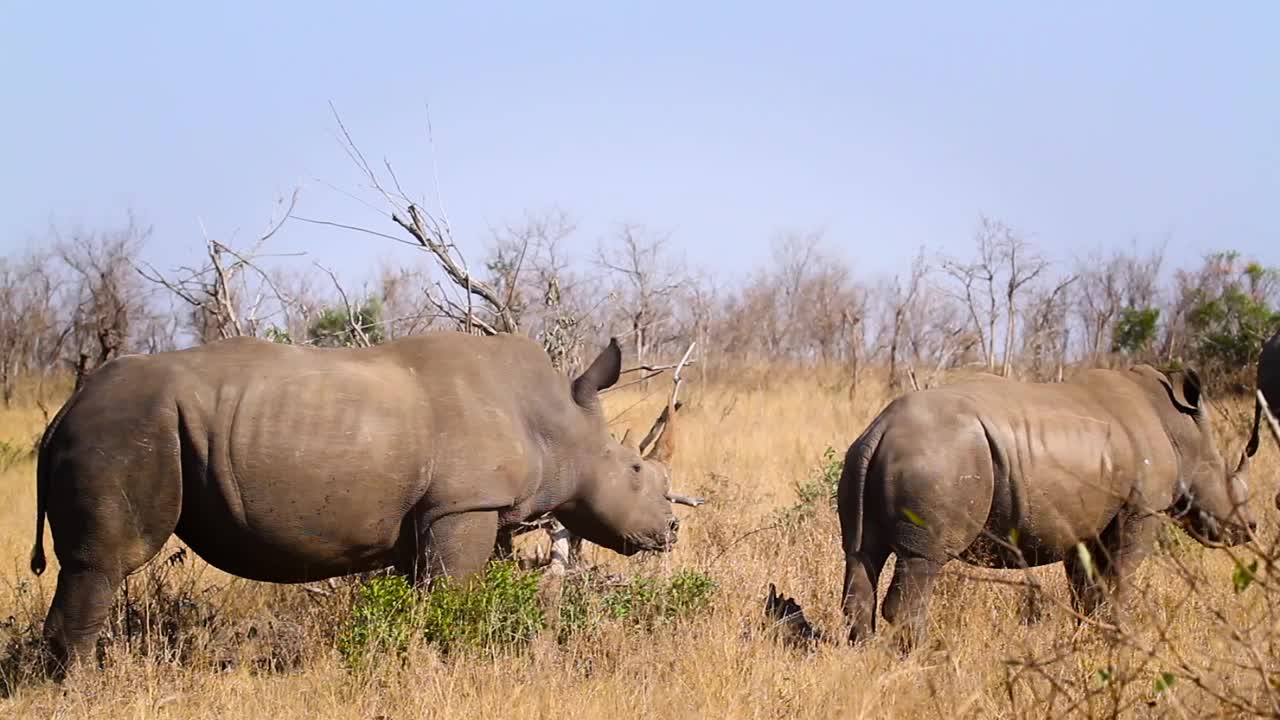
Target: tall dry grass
1196, 644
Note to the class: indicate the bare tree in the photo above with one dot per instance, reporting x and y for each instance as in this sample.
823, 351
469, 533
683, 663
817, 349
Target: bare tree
27, 289
904, 298
1047, 335
553, 303
1022, 266
645, 278
989, 285
108, 302
1108, 286
229, 295
977, 281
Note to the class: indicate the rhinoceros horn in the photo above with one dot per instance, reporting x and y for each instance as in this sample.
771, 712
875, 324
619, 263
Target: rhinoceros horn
629, 441
661, 438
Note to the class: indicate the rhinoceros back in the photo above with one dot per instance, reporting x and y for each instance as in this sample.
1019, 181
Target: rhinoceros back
294, 463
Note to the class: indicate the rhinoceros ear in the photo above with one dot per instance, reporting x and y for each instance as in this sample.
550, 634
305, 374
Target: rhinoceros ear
603, 373
1184, 387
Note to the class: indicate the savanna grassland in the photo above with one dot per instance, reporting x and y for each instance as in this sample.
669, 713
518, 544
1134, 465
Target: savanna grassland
190, 642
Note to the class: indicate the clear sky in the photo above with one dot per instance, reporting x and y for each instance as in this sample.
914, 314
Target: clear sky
888, 125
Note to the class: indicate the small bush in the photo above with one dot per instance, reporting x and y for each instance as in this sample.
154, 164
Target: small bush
382, 621
497, 610
501, 610
816, 491
592, 601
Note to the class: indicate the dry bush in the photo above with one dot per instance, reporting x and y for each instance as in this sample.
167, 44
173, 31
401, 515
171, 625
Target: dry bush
1199, 641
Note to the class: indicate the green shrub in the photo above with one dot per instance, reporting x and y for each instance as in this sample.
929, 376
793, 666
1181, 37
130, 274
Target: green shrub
817, 490
383, 619
592, 601
499, 609
1135, 330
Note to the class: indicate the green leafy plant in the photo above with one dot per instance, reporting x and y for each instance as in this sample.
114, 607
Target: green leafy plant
592, 601
499, 609
382, 621
1244, 575
1135, 330
1229, 315
817, 490
1165, 681
334, 327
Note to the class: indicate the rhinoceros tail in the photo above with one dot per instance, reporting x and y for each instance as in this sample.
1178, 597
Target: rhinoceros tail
853, 484
1255, 435
38, 563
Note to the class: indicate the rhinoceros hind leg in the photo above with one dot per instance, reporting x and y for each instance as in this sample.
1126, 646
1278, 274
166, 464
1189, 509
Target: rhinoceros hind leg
80, 606
99, 538
861, 578
906, 604
455, 545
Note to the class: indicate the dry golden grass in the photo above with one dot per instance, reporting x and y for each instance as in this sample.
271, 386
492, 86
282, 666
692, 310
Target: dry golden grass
744, 445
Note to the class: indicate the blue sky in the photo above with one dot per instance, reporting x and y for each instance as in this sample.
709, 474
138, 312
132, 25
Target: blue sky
888, 125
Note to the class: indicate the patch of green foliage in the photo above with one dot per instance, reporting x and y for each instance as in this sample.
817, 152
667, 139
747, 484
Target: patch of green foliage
500, 610
1135, 330
592, 601
382, 621
1230, 318
278, 335
1244, 575
816, 491
337, 328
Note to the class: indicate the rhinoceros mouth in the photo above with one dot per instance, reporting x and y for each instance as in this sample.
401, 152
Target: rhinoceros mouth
1212, 533
631, 547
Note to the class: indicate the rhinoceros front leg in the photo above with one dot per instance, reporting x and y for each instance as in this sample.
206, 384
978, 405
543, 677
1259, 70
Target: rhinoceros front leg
1103, 572
455, 545
1085, 565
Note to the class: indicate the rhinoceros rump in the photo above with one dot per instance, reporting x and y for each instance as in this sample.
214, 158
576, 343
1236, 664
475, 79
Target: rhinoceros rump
1006, 474
290, 464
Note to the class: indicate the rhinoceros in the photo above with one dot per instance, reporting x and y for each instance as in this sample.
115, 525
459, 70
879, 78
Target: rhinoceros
1269, 386
1006, 474
291, 464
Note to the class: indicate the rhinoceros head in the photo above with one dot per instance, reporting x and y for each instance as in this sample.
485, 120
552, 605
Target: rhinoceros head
621, 500
1211, 499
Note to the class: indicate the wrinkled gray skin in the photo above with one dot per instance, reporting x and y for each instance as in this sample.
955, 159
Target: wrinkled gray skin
968, 470
289, 464
1269, 385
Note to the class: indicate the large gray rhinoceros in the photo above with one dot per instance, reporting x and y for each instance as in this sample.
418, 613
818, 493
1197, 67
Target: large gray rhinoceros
1000, 473
291, 464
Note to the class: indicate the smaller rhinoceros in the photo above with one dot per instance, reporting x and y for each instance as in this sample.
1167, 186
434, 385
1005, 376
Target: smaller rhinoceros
290, 464
1006, 474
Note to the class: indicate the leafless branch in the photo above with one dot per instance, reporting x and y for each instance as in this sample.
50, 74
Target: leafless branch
353, 320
